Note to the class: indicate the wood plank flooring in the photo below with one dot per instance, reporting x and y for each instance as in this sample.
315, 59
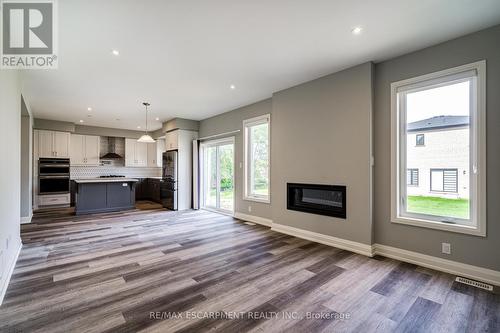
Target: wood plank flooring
152, 270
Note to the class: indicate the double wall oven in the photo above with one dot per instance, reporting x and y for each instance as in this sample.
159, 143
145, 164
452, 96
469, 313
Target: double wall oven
53, 176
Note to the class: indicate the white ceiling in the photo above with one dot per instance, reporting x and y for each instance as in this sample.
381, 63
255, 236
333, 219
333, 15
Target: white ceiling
182, 56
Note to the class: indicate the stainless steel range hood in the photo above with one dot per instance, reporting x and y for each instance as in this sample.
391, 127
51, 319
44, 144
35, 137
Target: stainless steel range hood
111, 154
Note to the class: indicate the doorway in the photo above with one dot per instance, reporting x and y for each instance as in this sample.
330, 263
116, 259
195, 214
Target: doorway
217, 175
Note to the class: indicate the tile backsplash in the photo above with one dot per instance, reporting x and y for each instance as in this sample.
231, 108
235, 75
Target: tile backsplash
78, 172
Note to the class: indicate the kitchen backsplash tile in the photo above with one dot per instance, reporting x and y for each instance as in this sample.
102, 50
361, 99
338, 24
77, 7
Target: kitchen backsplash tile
79, 172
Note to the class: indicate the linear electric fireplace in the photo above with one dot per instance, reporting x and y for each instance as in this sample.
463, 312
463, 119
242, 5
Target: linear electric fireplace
327, 200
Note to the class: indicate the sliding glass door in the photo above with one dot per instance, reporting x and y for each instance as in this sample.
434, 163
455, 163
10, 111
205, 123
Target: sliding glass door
217, 181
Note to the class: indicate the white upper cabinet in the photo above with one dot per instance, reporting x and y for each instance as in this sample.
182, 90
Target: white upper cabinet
92, 149
130, 152
77, 150
136, 153
45, 143
152, 155
141, 154
84, 149
62, 143
53, 144
172, 140
155, 153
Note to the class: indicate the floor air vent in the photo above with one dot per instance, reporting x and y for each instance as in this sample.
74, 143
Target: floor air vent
474, 283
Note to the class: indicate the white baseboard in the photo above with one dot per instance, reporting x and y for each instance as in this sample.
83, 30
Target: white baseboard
5, 284
439, 264
340, 243
253, 218
26, 219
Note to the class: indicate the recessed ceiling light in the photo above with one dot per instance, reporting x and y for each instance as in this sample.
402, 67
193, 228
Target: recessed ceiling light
81, 120
116, 52
89, 109
139, 127
157, 118
357, 30
232, 87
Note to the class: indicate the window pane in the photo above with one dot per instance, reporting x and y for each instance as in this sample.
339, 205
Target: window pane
420, 140
226, 176
437, 180
437, 150
259, 159
210, 176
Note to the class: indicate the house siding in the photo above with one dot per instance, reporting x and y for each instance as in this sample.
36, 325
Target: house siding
443, 149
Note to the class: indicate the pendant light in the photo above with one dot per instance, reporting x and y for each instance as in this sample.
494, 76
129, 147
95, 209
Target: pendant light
146, 137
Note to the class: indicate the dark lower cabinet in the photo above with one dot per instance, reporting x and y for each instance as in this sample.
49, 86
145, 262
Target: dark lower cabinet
148, 189
102, 197
154, 189
140, 189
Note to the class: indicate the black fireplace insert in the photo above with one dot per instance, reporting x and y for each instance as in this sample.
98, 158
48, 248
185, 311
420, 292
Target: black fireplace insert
327, 200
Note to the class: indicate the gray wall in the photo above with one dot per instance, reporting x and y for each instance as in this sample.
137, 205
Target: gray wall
55, 125
232, 121
180, 123
26, 160
474, 250
105, 131
10, 170
321, 134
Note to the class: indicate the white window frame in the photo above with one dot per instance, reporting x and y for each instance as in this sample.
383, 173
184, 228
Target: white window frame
477, 146
203, 146
247, 174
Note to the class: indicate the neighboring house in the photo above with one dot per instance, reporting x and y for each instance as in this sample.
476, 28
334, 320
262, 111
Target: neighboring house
438, 157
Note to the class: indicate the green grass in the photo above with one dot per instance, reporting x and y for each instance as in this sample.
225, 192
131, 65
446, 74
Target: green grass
458, 208
261, 190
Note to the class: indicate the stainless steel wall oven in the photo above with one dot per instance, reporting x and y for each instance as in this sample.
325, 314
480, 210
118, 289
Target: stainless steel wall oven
53, 176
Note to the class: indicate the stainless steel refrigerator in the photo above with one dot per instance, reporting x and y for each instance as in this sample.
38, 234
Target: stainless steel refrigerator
168, 188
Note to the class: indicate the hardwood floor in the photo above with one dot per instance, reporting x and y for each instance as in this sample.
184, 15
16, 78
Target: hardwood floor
196, 271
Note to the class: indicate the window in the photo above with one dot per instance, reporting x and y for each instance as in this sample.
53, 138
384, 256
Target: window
412, 177
450, 107
444, 180
257, 156
420, 140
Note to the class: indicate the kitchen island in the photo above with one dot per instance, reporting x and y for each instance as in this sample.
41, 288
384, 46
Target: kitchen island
99, 195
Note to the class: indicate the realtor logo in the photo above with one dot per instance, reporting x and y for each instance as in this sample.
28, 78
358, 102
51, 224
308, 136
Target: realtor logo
28, 34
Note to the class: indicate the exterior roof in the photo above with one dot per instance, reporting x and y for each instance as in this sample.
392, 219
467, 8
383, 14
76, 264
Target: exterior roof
438, 122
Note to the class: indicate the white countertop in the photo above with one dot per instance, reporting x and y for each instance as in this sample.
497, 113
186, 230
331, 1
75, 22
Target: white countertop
105, 180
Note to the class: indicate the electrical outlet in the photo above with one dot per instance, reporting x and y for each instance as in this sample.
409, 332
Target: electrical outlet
446, 248
249, 208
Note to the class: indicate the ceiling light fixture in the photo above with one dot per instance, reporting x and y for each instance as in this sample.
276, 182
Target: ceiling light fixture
357, 30
157, 118
116, 52
89, 109
232, 87
146, 137
81, 120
